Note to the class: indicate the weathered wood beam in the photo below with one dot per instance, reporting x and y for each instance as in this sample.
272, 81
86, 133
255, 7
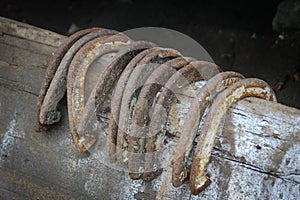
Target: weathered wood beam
256, 154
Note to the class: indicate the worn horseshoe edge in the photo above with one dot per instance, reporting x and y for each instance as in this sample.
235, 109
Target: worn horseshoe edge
75, 64
148, 94
129, 90
245, 88
137, 78
105, 84
193, 72
204, 98
116, 104
136, 81
58, 86
90, 53
51, 69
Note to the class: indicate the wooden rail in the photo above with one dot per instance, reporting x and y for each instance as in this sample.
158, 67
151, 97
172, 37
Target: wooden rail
256, 155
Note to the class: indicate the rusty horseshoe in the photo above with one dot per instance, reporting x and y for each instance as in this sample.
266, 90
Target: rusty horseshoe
104, 86
135, 81
244, 88
193, 72
204, 98
58, 86
51, 70
147, 97
116, 103
80, 63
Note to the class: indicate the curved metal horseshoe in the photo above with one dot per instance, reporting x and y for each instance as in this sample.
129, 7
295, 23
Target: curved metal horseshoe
195, 71
136, 138
80, 63
51, 69
58, 86
103, 89
147, 96
204, 98
136, 79
245, 88
92, 52
116, 103
135, 82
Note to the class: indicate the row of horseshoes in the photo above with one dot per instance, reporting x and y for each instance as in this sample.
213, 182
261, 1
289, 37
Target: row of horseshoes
129, 68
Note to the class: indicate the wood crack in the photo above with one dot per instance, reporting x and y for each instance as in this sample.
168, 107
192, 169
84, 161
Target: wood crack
15, 86
249, 166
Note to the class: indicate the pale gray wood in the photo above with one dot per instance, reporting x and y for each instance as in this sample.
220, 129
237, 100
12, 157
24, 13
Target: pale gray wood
256, 154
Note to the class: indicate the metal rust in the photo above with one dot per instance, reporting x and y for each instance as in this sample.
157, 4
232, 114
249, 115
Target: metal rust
204, 98
245, 88
81, 61
107, 80
195, 71
51, 69
145, 79
146, 98
136, 81
95, 50
57, 88
116, 103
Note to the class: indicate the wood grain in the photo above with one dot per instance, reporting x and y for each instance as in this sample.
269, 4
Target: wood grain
256, 153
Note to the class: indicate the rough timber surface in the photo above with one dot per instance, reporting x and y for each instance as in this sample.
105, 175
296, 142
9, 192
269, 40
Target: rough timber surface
256, 156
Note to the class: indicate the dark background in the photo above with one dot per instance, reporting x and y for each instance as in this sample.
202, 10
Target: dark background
237, 34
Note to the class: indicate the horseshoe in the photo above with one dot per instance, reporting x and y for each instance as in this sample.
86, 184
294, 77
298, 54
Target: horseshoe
195, 71
98, 49
204, 98
136, 80
105, 84
51, 69
58, 86
79, 65
116, 103
136, 145
245, 88
147, 97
